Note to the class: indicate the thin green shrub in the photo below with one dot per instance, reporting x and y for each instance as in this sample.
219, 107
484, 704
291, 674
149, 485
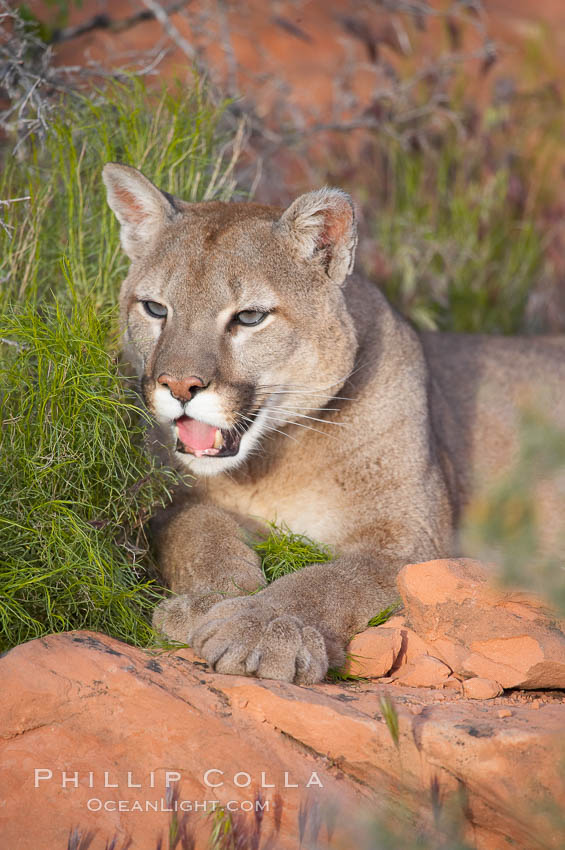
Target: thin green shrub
460, 255
76, 485
174, 137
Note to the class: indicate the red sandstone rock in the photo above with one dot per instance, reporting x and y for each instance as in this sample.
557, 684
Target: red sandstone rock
84, 702
373, 652
477, 688
425, 672
412, 648
372, 649
480, 630
453, 684
396, 622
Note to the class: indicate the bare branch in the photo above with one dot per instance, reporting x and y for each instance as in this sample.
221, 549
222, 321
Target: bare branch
162, 15
105, 22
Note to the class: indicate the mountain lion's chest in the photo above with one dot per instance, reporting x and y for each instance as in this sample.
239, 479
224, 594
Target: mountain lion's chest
311, 507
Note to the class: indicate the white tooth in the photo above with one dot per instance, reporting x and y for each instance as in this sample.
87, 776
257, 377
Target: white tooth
218, 440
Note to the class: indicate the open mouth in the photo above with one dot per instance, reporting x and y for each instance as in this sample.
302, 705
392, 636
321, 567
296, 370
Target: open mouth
203, 440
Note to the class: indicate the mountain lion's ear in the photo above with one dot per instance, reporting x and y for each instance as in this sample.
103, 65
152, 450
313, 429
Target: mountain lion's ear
140, 207
322, 225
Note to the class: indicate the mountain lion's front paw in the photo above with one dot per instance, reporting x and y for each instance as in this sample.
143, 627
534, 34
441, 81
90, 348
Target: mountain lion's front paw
176, 617
243, 637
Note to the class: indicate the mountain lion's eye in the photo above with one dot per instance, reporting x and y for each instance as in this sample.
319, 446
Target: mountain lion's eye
154, 309
250, 317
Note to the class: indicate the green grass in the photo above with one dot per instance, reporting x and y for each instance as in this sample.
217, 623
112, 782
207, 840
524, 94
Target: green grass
384, 615
76, 485
390, 716
338, 675
75, 482
173, 137
284, 552
460, 256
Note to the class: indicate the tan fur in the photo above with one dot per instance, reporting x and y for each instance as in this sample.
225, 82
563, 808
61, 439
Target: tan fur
409, 424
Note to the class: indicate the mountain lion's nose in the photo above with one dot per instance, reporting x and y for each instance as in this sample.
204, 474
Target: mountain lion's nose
182, 389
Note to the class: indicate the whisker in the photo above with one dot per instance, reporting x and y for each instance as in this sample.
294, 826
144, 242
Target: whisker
306, 387
303, 388
306, 407
315, 419
286, 388
307, 392
272, 428
302, 425
268, 427
238, 428
249, 419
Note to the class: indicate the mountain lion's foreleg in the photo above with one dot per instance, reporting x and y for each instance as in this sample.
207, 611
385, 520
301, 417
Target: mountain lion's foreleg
204, 559
298, 626
294, 629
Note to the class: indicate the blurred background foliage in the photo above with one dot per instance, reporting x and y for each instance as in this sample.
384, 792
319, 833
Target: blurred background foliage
502, 525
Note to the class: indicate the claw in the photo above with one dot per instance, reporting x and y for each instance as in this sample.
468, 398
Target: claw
242, 638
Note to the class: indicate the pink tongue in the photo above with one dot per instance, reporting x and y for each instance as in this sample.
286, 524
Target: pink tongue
196, 435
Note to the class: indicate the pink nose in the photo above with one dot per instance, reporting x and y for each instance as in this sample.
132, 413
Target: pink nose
183, 389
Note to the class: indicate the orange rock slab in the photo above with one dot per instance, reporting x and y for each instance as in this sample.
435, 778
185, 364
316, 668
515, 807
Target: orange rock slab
99, 719
477, 688
481, 630
372, 653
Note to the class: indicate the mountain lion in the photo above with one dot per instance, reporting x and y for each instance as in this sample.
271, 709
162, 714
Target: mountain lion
295, 393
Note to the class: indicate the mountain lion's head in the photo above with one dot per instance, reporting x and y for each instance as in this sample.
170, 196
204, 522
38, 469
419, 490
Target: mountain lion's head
233, 313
